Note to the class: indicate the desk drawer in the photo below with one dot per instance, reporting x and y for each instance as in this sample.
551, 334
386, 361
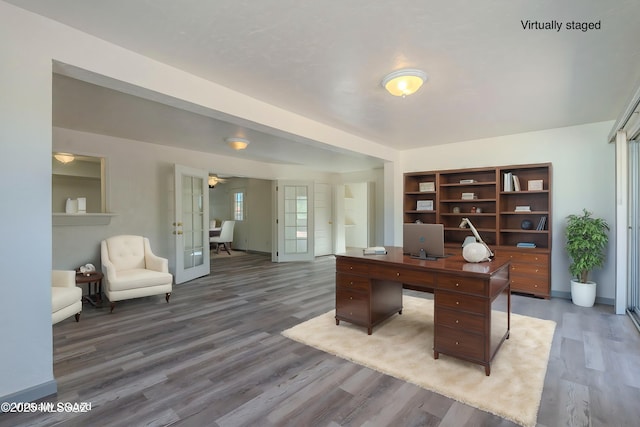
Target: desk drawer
349, 281
459, 343
352, 306
348, 265
462, 284
462, 302
459, 321
389, 272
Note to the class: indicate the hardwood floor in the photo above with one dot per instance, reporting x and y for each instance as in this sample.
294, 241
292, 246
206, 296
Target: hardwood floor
214, 356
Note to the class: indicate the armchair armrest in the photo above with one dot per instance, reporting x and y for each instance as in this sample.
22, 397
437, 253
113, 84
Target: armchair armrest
154, 262
63, 278
108, 268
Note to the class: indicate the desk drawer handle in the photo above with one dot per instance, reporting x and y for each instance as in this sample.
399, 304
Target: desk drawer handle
457, 302
457, 284
350, 297
457, 321
351, 283
398, 274
350, 267
456, 342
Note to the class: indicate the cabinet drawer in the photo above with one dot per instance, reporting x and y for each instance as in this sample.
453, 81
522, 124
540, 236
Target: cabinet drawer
351, 266
531, 258
349, 281
389, 272
462, 302
352, 306
459, 320
462, 284
541, 271
529, 284
459, 343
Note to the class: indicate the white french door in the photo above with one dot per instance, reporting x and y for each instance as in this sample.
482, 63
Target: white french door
191, 225
295, 227
323, 219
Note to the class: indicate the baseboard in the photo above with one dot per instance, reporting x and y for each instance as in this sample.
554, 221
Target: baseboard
567, 295
32, 393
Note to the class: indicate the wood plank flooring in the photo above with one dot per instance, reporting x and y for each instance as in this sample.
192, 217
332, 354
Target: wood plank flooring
214, 356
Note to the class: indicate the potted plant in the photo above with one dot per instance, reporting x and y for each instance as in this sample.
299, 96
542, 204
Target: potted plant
586, 240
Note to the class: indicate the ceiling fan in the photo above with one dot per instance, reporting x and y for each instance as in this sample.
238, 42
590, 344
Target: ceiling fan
214, 180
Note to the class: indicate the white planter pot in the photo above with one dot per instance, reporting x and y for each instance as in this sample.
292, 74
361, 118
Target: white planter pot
583, 294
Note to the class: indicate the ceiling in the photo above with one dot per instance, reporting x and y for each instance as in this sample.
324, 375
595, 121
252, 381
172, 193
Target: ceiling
488, 76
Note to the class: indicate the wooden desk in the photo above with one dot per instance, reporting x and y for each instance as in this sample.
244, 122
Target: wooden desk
472, 302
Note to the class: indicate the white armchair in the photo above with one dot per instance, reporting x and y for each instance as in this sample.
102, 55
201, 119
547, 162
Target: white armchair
225, 238
66, 297
131, 270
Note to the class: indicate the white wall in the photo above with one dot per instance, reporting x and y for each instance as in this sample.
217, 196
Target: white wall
29, 44
583, 177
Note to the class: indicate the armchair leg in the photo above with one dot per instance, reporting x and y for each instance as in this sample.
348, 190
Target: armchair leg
77, 317
113, 305
168, 296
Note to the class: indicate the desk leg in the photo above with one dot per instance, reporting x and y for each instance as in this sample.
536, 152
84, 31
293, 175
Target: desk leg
436, 355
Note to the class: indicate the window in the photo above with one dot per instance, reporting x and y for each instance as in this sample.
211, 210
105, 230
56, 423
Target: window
238, 205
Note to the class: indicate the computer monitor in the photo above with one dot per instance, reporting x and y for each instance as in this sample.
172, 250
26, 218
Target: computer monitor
424, 241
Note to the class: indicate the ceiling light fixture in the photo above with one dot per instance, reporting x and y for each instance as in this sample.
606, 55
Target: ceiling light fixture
404, 82
213, 180
237, 143
64, 157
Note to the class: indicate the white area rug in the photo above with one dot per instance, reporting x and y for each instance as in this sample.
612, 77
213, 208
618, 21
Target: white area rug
403, 348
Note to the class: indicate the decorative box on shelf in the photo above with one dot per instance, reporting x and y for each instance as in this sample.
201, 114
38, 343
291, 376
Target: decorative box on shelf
427, 186
534, 185
424, 205
469, 196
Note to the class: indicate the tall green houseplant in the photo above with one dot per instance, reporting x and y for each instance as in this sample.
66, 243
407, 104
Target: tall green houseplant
586, 240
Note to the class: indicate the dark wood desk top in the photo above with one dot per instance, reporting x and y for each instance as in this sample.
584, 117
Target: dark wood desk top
452, 264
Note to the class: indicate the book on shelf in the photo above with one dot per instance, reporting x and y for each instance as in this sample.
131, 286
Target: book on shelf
542, 223
374, 250
523, 209
467, 181
526, 245
427, 186
516, 183
507, 184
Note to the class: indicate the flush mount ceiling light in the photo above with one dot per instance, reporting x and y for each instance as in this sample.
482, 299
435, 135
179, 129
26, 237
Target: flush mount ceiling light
64, 157
237, 143
404, 82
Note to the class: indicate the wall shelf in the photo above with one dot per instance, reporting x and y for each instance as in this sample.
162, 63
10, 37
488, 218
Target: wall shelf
64, 219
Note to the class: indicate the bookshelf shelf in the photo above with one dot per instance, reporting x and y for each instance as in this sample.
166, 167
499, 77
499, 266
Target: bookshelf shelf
498, 223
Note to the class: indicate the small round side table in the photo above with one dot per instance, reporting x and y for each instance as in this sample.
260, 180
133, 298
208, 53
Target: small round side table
93, 279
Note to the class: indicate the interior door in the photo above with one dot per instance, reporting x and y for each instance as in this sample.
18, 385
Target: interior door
295, 229
191, 226
323, 209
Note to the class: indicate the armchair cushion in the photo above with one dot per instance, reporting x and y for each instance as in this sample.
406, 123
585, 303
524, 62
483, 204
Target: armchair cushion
138, 278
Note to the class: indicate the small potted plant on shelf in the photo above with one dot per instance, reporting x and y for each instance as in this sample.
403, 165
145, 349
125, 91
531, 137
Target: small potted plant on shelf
587, 239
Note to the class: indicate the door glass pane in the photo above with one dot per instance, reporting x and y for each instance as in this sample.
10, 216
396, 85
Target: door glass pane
295, 218
193, 221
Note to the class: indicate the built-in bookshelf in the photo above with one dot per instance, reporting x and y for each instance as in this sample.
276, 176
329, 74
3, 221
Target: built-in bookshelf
510, 206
